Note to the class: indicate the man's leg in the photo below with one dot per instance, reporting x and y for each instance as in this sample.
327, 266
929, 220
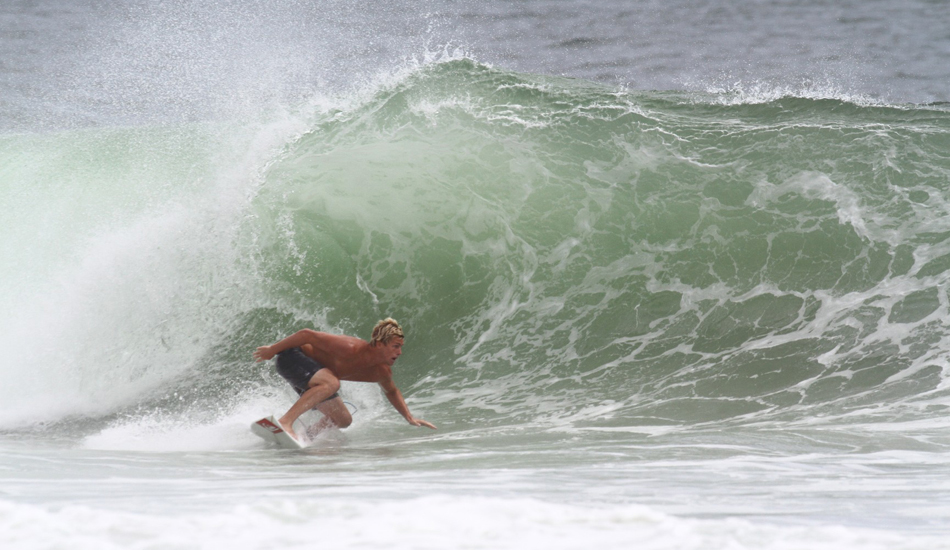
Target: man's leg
322, 385
335, 413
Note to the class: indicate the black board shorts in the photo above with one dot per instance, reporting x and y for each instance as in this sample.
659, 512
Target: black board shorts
294, 366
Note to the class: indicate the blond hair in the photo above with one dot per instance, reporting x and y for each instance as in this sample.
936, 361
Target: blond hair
386, 330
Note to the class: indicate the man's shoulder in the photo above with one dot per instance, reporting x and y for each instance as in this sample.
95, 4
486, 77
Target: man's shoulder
351, 340
340, 342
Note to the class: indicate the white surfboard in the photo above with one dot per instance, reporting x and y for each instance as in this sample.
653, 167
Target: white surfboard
269, 429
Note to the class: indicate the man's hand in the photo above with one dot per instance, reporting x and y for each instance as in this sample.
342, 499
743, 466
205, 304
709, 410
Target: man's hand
263, 353
420, 422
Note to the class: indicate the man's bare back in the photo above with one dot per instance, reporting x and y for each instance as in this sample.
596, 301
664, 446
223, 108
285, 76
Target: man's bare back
344, 358
349, 358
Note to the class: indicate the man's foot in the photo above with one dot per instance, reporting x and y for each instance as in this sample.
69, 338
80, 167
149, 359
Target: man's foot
282, 435
287, 428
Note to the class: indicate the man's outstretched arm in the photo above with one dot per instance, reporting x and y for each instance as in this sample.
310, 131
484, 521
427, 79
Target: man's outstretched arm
395, 397
295, 340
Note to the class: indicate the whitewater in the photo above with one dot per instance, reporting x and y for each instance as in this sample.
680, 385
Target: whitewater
647, 305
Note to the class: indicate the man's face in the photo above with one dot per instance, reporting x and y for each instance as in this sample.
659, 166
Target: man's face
393, 349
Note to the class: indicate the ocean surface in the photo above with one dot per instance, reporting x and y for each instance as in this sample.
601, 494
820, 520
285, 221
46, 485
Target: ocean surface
673, 274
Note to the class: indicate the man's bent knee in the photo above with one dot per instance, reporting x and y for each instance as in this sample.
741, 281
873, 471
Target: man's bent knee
333, 386
336, 413
343, 422
330, 382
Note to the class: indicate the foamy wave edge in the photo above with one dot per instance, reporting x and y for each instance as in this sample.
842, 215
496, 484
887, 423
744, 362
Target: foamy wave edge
435, 522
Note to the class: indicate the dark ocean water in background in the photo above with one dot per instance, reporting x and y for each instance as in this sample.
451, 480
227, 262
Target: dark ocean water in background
92, 63
673, 274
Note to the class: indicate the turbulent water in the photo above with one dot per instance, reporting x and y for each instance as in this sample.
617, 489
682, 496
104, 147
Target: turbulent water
700, 318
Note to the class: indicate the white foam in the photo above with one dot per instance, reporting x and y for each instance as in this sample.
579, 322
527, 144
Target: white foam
753, 93
166, 433
814, 185
432, 522
227, 428
144, 290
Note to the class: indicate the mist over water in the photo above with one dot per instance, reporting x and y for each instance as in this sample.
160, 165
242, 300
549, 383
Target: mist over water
97, 63
675, 271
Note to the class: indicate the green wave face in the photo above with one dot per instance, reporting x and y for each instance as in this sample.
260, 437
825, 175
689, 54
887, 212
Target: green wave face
554, 247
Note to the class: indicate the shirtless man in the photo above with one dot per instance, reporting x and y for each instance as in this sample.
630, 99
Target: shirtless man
315, 362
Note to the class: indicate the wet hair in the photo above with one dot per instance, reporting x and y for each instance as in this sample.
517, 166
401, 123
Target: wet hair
386, 330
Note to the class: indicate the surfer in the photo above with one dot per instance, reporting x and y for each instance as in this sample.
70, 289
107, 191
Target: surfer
314, 363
